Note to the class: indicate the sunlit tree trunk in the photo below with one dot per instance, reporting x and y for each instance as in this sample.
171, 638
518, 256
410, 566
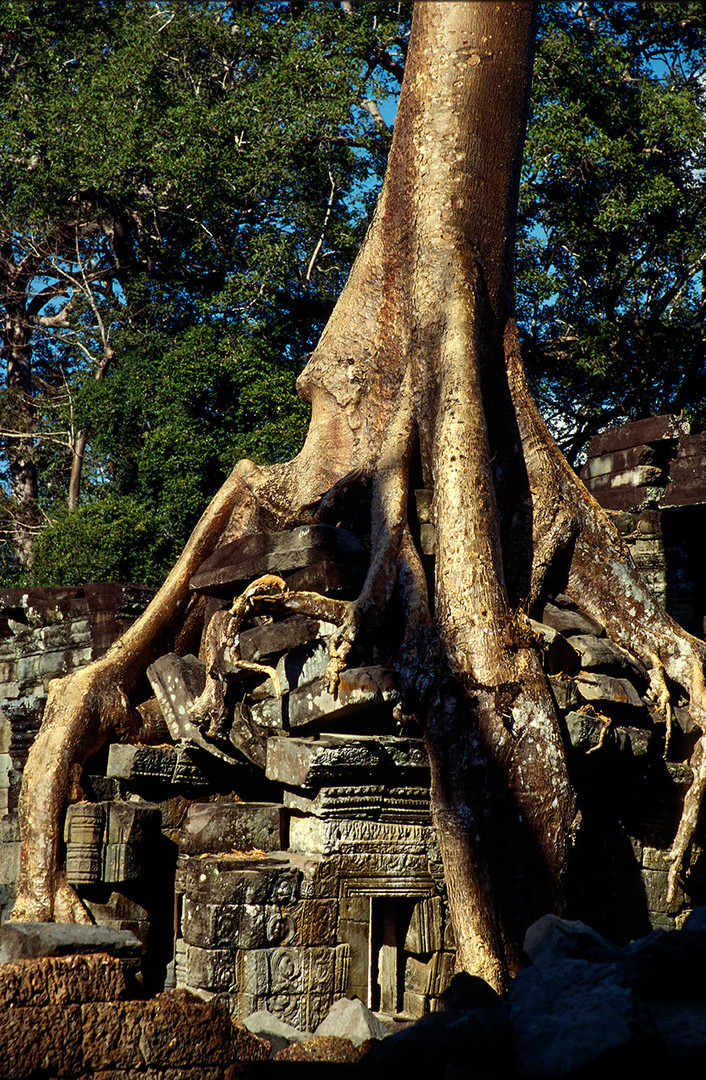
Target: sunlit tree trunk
420, 362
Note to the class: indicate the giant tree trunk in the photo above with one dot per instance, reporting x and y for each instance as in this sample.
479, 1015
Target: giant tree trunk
420, 361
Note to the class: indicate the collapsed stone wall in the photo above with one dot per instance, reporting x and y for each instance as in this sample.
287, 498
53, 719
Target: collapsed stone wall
286, 857
46, 633
652, 475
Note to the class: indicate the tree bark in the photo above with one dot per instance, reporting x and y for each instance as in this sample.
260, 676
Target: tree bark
421, 360
17, 353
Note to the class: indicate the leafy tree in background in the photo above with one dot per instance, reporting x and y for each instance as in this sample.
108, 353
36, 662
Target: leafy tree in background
173, 175
613, 216
210, 165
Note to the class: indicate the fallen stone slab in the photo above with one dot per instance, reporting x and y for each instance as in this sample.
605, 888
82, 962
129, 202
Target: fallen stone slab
551, 938
586, 732
311, 763
132, 763
558, 656
234, 565
277, 1031
279, 637
572, 1014
25, 941
607, 690
321, 1049
358, 689
598, 652
177, 682
352, 1020
567, 621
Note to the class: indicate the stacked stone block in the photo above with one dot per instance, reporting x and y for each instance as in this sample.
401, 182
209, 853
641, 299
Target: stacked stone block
652, 475
44, 634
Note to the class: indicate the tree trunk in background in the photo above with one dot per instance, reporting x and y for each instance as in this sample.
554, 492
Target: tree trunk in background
17, 353
419, 368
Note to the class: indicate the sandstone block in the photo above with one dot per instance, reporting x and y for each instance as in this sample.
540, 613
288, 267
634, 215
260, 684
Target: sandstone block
209, 969
311, 763
426, 927
234, 565
292, 970
177, 681
279, 637
61, 981
141, 763
218, 879
607, 690
23, 941
329, 837
570, 621
44, 1041
220, 827
652, 430
359, 688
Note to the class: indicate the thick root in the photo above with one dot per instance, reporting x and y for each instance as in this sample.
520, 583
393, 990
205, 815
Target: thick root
90, 707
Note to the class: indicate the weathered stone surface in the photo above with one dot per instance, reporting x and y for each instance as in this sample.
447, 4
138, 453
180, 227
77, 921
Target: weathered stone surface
359, 688
222, 827
684, 492
425, 933
303, 1011
177, 681
292, 970
558, 655
321, 1048
128, 822
617, 461
607, 690
220, 879
311, 763
24, 941
326, 576
329, 837
173, 1031
139, 763
551, 938
208, 969
61, 980
39, 1042
370, 801
121, 863
352, 1020
570, 1014
595, 652
586, 732
234, 565
299, 667
279, 637
570, 621
259, 926
626, 497
274, 1029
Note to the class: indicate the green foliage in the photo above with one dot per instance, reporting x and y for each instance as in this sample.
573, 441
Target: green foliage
612, 216
178, 165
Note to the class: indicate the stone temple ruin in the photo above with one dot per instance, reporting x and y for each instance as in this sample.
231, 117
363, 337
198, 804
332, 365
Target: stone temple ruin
285, 857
